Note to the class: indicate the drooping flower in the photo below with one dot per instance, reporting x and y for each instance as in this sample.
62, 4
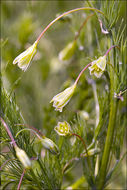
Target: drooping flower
61, 99
22, 156
50, 145
63, 128
98, 66
23, 60
68, 51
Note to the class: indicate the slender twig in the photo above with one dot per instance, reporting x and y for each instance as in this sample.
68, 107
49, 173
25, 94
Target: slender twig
64, 14
74, 134
31, 127
82, 72
69, 162
85, 148
110, 49
19, 185
83, 24
9, 132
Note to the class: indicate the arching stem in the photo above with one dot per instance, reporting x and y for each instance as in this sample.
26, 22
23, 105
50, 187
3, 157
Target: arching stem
64, 14
82, 72
83, 24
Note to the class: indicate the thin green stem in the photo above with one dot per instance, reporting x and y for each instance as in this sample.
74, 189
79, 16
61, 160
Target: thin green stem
83, 24
85, 149
110, 132
82, 141
76, 184
31, 127
64, 14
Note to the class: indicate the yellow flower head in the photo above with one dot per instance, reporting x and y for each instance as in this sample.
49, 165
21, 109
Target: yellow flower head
49, 145
68, 51
63, 128
98, 66
24, 59
61, 99
22, 156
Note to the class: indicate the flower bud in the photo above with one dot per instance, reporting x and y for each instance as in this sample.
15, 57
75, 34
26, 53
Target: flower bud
91, 152
50, 145
61, 99
98, 66
24, 59
22, 156
84, 115
63, 128
68, 51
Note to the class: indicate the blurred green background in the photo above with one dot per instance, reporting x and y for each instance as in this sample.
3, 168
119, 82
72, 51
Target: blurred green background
21, 23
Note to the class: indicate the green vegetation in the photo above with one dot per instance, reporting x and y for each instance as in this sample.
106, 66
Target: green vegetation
63, 100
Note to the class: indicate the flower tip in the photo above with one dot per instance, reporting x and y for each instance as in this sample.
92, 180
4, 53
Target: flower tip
61, 99
63, 128
22, 156
50, 145
98, 66
23, 60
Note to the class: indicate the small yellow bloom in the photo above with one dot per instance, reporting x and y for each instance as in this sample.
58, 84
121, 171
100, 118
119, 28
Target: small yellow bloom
24, 59
63, 128
68, 51
98, 66
50, 145
22, 156
61, 99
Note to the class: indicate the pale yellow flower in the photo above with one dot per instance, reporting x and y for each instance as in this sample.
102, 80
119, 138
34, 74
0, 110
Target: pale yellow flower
24, 59
49, 145
22, 156
98, 66
61, 99
63, 128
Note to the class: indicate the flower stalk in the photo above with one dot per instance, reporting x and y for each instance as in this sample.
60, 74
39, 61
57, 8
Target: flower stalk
64, 14
19, 185
8, 131
83, 24
110, 132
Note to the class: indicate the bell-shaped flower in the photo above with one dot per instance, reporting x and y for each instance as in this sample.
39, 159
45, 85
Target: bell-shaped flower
98, 66
68, 51
22, 156
24, 59
49, 145
63, 128
61, 99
